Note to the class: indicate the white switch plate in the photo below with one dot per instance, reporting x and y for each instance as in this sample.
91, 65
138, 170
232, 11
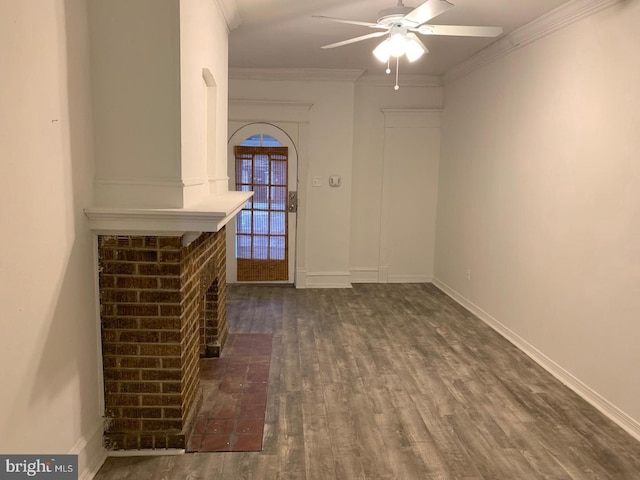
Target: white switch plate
316, 181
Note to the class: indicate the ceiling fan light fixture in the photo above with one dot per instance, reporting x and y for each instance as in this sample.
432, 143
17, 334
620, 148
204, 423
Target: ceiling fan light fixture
414, 49
398, 43
382, 52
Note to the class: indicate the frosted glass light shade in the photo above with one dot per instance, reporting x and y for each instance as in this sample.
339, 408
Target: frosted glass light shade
382, 52
413, 49
397, 45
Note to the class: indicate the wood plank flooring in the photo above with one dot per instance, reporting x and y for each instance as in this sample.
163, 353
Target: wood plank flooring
396, 381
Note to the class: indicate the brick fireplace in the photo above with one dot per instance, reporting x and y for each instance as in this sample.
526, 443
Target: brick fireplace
162, 284
162, 306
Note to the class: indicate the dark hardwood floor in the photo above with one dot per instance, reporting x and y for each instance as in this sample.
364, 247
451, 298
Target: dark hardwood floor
396, 381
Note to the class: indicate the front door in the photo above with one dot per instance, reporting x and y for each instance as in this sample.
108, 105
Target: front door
262, 239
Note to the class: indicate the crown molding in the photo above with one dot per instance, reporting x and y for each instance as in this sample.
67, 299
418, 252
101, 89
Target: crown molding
383, 80
541, 27
304, 74
230, 12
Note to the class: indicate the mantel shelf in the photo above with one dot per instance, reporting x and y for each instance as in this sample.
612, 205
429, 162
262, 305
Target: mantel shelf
209, 215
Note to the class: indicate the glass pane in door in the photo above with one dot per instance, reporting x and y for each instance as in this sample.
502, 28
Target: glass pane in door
261, 227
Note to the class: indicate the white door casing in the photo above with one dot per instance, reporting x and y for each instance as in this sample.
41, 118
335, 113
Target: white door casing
287, 135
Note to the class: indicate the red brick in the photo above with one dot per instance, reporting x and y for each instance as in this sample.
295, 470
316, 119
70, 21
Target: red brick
119, 323
121, 400
166, 270
139, 387
135, 255
161, 374
119, 349
161, 425
118, 268
161, 400
118, 296
172, 413
119, 374
137, 282
142, 412
145, 310
171, 387
139, 362
139, 336
170, 242
160, 323
160, 297
161, 350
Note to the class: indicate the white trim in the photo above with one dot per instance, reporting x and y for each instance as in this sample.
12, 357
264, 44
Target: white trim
295, 74
288, 137
301, 278
146, 453
410, 279
267, 111
364, 275
209, 215
91, 452
327, 280
148, 192
612, 412
383, 271
230, 13
541, 27
383, 80
149, 181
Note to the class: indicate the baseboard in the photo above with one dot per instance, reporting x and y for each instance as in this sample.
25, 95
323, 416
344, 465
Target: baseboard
410, 278
364, 275
620, 418
327, 280
91, 452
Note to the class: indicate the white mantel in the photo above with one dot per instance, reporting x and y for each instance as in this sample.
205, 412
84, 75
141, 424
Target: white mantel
209, 215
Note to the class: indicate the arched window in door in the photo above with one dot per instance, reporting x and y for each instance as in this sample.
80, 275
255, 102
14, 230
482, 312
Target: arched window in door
261, 227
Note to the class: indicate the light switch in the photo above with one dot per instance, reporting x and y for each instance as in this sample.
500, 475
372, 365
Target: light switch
316, 182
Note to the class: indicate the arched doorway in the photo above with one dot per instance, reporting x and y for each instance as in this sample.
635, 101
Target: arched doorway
261, 242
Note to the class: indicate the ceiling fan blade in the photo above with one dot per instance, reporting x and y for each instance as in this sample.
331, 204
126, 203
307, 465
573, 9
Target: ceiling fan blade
354, 40
426, 11
460, 30
416, 39
350, 22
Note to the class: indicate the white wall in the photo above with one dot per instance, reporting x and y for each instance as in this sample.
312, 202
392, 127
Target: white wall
406, 164
323, 258
135, 63
340, 241
203, 45
49, 400
539, 197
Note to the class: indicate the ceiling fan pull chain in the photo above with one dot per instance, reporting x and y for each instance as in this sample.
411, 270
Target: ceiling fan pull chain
388, 70
397, 87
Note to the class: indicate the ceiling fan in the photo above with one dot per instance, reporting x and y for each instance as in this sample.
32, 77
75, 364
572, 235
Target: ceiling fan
401, 23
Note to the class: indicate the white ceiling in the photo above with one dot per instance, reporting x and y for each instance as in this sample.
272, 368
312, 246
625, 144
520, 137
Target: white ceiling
284, 34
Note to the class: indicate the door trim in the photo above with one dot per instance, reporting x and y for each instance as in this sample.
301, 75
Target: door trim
286, 140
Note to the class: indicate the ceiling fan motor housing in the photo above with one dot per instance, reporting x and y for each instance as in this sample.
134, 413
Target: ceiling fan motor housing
390, 16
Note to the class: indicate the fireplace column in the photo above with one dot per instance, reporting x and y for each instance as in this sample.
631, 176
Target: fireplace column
154, 328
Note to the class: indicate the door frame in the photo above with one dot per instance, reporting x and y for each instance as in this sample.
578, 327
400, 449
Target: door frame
281, 134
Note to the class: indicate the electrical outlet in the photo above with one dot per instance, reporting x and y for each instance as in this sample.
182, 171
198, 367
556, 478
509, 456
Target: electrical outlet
468, 274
